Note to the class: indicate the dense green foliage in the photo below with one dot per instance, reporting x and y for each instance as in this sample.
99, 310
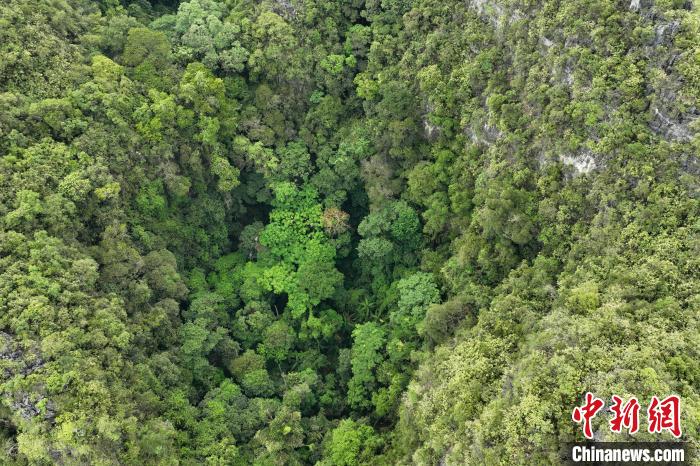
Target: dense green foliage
342, 232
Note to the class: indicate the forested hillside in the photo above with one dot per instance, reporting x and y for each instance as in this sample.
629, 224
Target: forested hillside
337, 233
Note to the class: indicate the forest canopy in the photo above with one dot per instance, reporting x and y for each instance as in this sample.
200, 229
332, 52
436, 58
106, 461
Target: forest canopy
341, 233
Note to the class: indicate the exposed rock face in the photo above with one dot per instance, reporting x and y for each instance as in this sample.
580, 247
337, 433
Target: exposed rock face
17, 360
665, 119
431, 131
7, 348
671, 128
665, 32
10, 355
489, 9
583, 162
25, 407
28, 409
495, 13
14, 361
691, 164
285, 9
484, 135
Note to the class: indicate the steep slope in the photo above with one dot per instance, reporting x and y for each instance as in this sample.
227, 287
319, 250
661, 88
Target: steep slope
342, 233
